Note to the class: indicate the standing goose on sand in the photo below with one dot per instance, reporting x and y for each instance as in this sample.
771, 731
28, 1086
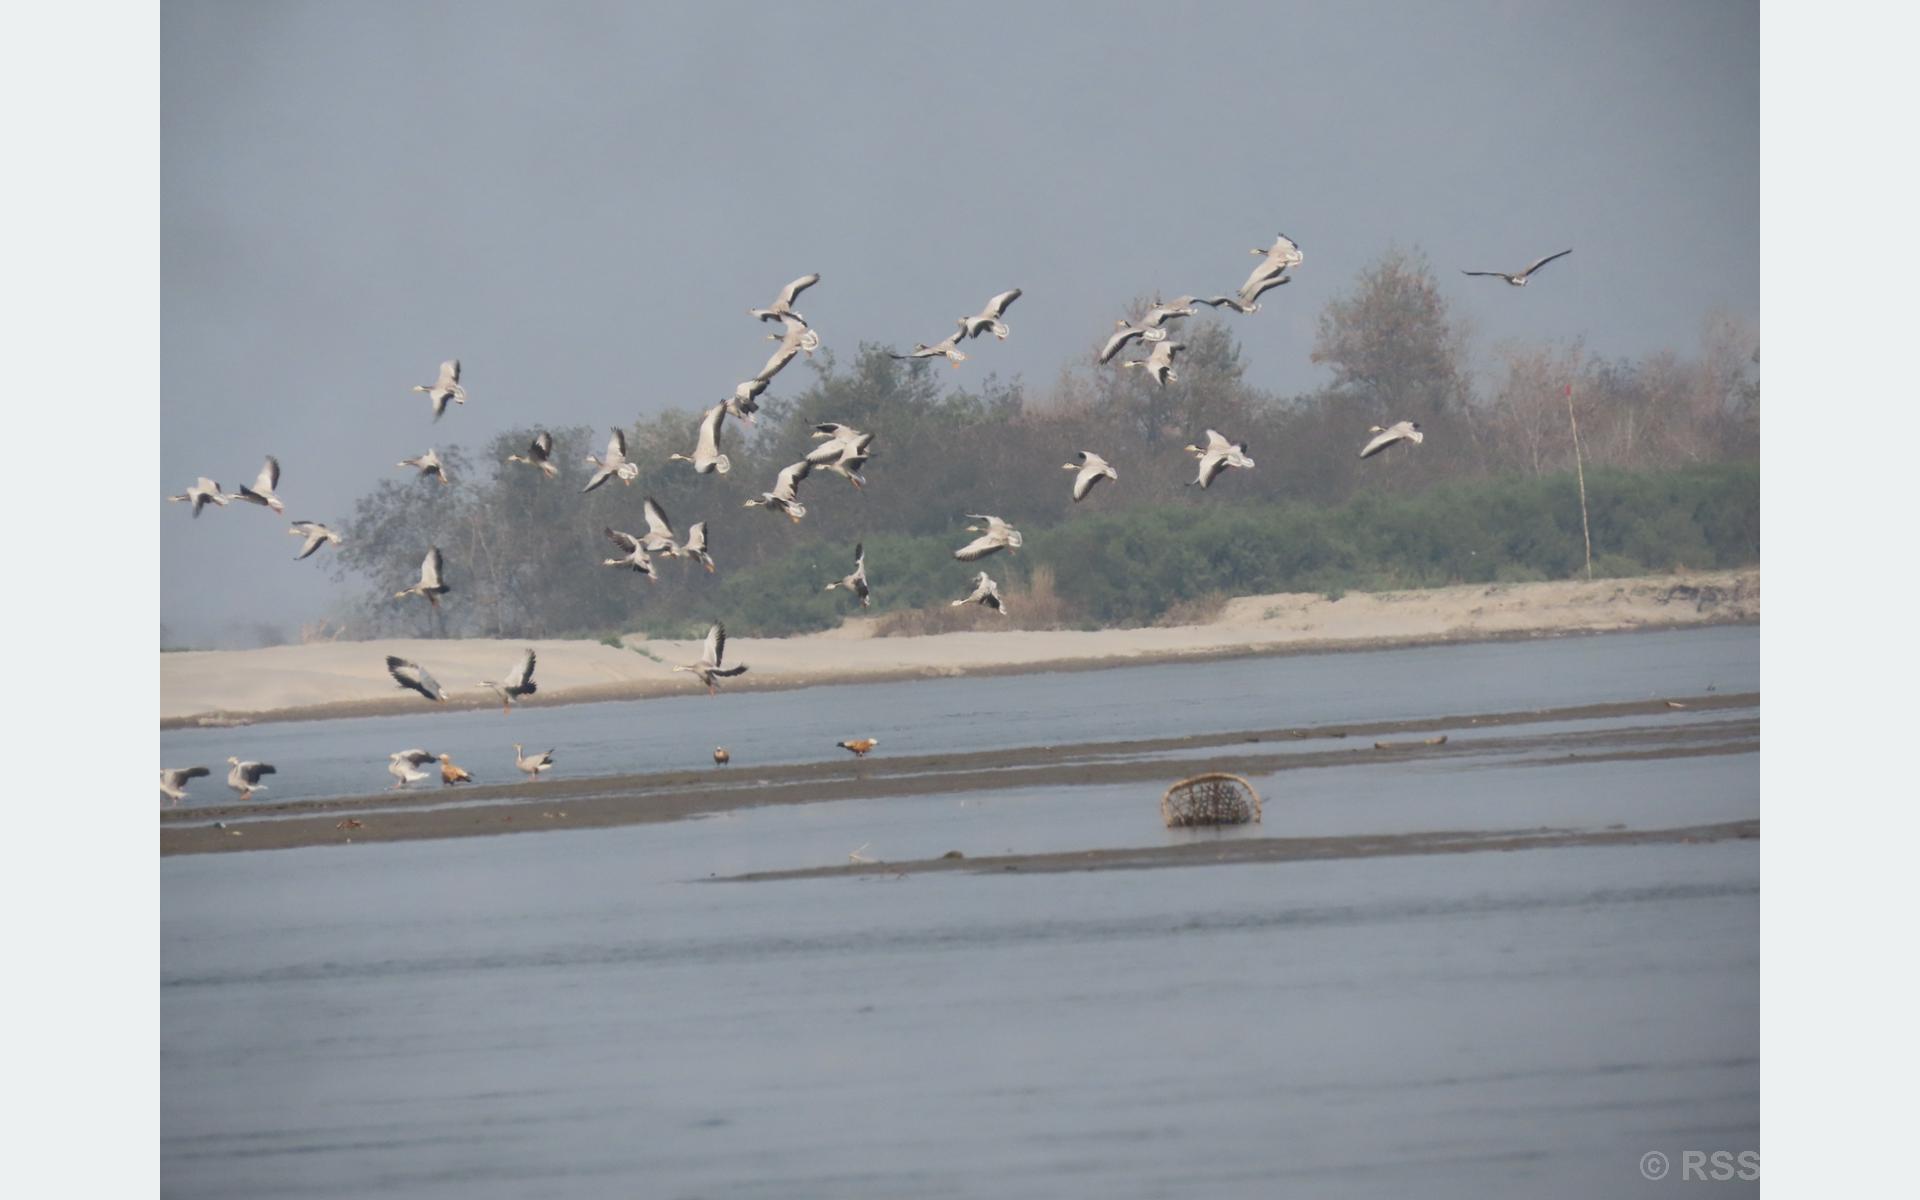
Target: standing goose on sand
1399, 431
244, 777
317, 535
708, 668
784, 498
413, 677
988, 318
1520, 279
445, 388
706, 457
539, 454
262, 490
203, 492
405, 767
695, 546
856, 582
947, 346
429, 466
615, 463
430, 584
1159, 363
1092, 469
1126, 331
1217, 457
782, 305
451, 774
173, 782
532, 764
519, 682
997, 535
633, 555
985, 591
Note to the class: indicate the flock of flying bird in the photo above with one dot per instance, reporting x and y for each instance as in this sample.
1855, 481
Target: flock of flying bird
843, 450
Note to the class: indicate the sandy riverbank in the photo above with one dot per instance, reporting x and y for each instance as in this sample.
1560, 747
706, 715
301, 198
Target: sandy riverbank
345, 679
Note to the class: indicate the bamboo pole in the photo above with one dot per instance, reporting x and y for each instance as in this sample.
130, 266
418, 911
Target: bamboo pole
1580, 472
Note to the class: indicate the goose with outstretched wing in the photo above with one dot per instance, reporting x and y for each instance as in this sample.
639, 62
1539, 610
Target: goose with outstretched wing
856, 582
709, 668
261, 492
431, 585
539, 454
706, 457
518, 683
782, 305
1520, 278
614, 464
988, 318
446, 387
414, 678
1091, 469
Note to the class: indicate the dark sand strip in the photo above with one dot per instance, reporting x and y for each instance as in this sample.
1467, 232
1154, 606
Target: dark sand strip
1214, 852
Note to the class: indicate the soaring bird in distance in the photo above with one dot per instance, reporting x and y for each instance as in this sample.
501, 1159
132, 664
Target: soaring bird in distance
532, 764
1092, 469
445, 388
856, 582
782, 305
1217, 457
173, 782
262, 490
858, 746
539, 454
1126, 331
615, 463
695, 546
985, 591
413, 677
519, 682
317, 535
708, 668
706, 457
784, 498
1520, 279
430, 584
988, 318
429, 466
1159, 363
405, 766
244, 777
633, 554
996, 536
947, 346
1399, 431
203, 492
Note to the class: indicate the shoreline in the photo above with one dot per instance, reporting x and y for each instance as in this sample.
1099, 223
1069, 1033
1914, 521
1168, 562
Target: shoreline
334, 680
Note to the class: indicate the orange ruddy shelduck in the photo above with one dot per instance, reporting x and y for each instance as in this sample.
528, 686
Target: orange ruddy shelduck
859, 746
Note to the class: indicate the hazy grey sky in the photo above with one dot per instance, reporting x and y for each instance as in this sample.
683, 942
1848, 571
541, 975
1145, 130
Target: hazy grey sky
581, 200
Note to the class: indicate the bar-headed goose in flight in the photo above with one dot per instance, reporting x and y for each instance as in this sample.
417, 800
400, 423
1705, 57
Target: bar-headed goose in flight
784, 498
429, 466
405, 766
450, 773
695, 546
1217, 457
262, 490
532, 764
659, 537
1092, 469
413, 677
244, 777
203, 492
985, 591
539, 454
1399, 431
1126, 331
709, 668
1520, 279
173, 781
317, 535
844, 451
1276, 259
988, 318
445, 388
431, 585
1159, 363
782, 305
615, 463
997, 535
1248, 301
519, 682
795, 337
745, 400
1171, 310
633, 554
856, 582
947, 346
706, 457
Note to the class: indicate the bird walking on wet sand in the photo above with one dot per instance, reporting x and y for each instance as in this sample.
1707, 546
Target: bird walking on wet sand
615, 463
720, 756
633, 555
429, 465
995, 536
1217, 457
532, 764
709, 668
1092, 469
244, 777
414, 678
988, 318
1519, 279
782, 305
1399, 431
450, 773
519, 682
431, 586
317, 535
405, 766
446, 387
985, 591
856, 582
706, 457
785, 498
173, 782
261, 492
203, 492
859, 746
539, 454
